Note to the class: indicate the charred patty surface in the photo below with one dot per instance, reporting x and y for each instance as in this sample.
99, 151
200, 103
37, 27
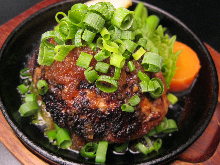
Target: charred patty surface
92, 114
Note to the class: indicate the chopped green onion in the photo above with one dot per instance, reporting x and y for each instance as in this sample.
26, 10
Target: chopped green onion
62, 51
117, 60
25, 72
51, 35
89, 150
88, 36
94, 21
152, 62
171, 126
105, 34
130, 45
106, 9
92, 46
117, 73
110, 46
106, 84
139, 53
155, 87
58, 14
42, 87
142, 42
102, 55
28, 109
101, 152
102, 67
77, 13
131, 66
91, 75
63, 138
126, 54
46, 55
30, 97
172, 98
134, 100
99, 42
51, 134
78, 38
143, 77
66, 29
127, 35
22, 88
157, 144
143, 149
122, 18
84, 60
166, 126
144, 86
120, 147
127, 108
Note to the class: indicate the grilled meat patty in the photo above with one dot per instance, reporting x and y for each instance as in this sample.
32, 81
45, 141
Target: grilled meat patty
91, 114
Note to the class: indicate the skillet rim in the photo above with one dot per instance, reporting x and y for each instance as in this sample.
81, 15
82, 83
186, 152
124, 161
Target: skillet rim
52, 158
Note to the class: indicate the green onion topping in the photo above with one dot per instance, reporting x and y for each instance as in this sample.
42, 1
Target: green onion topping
22, 88
102, 67
101, 152
89, 150
28, 109
172, 98
127, 108
91, 75
106, 84
134, 100
152, 62
84, 60
42, 87
131, 66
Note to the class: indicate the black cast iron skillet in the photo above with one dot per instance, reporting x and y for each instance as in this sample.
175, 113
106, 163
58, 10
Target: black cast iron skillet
193, 112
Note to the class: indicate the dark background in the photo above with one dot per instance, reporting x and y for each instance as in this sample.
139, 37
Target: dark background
201, 16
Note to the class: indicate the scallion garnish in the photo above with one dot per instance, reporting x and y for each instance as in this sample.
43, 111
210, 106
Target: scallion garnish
30, 97
143, 77
42, 87
122, 18
105, 34
78, 38
172, 98
134, 100
91, 75
51, 134
152, 62
120, 148
117, 73
117, 60
63, 138
155, 87
102, 67
131, 66
102, 55
139, 53
84, 60
22, 88
144, 86
25, 72
94, 21
101, 152
28, 109
77, 13
89, 150
130, 45
127, 108
106, 84
62, 51
88, 36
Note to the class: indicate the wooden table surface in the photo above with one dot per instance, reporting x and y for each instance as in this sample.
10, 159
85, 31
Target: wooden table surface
205, 151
